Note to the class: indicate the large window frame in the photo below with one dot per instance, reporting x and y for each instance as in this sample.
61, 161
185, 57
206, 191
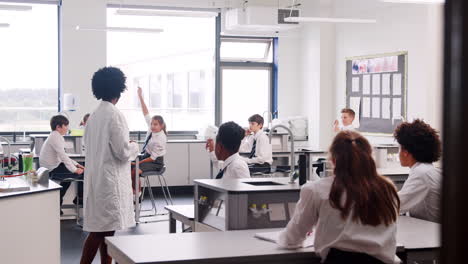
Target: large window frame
189, 132
250, 64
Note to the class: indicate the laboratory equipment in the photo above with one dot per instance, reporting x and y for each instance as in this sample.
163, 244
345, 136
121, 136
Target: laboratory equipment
293, 158
8, 170
249, 203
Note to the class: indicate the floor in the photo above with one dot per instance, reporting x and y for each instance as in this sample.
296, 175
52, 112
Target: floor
73, 237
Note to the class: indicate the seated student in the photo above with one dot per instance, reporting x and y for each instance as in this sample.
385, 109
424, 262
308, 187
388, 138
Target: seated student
85, 119
258, 144
347, 118
54, 158
155, 144
354, 212
419, 147
226, 149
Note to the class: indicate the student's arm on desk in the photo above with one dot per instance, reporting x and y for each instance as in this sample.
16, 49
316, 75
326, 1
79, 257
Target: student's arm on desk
304, 219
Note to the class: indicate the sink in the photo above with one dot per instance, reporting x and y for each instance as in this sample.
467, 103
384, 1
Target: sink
263, 183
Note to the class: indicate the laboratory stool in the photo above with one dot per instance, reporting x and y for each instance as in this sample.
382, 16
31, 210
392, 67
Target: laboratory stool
76, 206
162, 183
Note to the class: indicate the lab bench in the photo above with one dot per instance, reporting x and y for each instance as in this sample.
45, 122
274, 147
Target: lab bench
414, 237
27, 218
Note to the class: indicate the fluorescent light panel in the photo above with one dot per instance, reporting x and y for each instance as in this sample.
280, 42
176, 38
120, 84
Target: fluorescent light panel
15, 7
4, 25
176, 13
329, 20
122, 29
414, 1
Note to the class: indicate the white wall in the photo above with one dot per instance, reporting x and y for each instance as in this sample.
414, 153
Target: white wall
400, 27
83, 52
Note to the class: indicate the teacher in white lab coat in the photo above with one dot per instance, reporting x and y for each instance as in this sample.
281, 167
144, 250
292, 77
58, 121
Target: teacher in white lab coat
108, 204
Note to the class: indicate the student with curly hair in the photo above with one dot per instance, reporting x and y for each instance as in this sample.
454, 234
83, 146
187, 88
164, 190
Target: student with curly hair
108, 202
419, 147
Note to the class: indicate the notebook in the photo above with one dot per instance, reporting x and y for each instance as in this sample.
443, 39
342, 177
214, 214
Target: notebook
273, 237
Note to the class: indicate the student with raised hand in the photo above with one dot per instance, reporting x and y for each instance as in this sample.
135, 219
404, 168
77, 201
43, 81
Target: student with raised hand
353, 212
154, 148
54, 158
420, 146
226, 149
258, 144
347, 118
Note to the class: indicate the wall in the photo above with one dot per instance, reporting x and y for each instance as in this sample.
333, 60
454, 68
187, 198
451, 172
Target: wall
400, 27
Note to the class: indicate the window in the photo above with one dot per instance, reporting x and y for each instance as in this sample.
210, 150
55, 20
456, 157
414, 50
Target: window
175, 68
246, 78
29, 67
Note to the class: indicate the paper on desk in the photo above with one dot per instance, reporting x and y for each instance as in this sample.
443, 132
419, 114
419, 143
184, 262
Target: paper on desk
277, 212
274, 236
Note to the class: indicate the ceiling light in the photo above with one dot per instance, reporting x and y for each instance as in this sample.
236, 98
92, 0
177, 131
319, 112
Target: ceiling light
15, 7
122, 29
329, 20
4, 25
414, 1
176, 13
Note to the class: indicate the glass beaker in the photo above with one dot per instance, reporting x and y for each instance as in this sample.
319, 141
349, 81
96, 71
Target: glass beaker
27, 162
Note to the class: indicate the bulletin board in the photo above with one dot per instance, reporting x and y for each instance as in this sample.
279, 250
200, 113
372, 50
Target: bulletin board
376, 89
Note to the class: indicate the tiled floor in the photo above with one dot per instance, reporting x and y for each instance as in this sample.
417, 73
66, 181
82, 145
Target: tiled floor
72, 236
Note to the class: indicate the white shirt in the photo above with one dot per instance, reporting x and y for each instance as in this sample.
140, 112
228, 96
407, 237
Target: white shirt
421, 193
108, 196
157, 144
263, 149
348, 127
331, 231
236, 167
53, 153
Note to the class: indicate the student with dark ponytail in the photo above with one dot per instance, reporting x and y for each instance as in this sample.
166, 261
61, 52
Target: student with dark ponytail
353, 212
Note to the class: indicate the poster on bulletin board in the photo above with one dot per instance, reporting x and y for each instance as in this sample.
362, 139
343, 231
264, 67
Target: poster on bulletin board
376, 89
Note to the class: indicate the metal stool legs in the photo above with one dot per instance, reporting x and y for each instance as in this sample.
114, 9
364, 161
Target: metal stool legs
165, 189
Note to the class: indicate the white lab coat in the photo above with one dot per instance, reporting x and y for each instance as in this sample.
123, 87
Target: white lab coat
108, 203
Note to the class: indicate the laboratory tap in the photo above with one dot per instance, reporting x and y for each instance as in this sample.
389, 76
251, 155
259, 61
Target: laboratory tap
292, 159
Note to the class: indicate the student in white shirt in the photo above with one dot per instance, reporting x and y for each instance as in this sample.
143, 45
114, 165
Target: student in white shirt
226, 149
258, 145
353, 213
420, 146
347, 118
54, 158
154, 148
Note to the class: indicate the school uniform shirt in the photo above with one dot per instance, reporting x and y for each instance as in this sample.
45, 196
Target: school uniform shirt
108, 196
263, 149
234, 167
53, 153
156, 146
331, 230
347, 128
421, 192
